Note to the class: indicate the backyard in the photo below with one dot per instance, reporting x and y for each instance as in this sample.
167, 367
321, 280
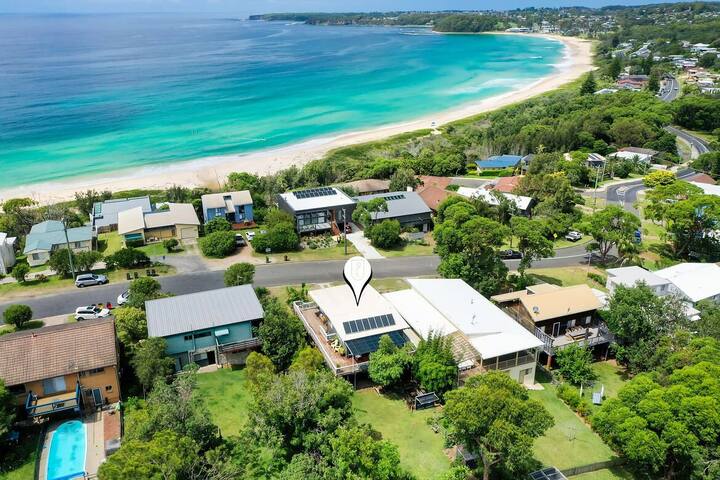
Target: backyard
226, 397
567, 276
20, 463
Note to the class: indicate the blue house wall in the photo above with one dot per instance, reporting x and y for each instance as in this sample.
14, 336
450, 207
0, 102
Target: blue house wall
178, 344
243, 213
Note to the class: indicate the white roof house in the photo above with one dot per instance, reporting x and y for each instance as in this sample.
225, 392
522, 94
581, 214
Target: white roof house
521, 202
7, 253
695, 281
632, 276
447, 305
315, 198
707, 188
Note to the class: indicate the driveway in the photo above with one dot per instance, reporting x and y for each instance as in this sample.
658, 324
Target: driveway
363, 245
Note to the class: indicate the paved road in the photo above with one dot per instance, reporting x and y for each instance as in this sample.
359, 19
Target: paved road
699, 146
626, 193
672, 90
267, 276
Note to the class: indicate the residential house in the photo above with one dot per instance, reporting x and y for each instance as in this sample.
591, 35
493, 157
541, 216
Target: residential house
235, 207
408, 208
318, 209
644, 155
433, 190
595, 160
7, 253
606, 91
558, 316
178, 221
632, 276
48, 236
215, 327
483, 336
702, 178
707, 188
694, 281
104, 217
522, 203
504, 184
369, 186
347, 332
632, 82
63, 367
498, 162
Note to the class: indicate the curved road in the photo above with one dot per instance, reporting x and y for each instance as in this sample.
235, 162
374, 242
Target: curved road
672, 90
698, 145
626, 193
65, 302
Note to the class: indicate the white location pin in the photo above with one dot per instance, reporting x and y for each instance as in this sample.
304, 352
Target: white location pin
357, 274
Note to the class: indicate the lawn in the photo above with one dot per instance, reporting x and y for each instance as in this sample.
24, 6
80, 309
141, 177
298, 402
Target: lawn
567, 276
407, 249
20, 464
570, 442
421, 449
611, 376
614, 473
226, 397
111, 242
335, 252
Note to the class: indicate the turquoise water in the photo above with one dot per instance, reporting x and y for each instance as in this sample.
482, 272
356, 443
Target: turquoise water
90, 94
67, 451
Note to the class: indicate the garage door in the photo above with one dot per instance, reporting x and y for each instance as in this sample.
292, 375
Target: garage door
188, 233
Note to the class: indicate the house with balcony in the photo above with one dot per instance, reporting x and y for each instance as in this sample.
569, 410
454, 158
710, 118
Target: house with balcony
317, 210
347, 332
104, 217
46, 237
483, 336
61, 368
558, 316
235, 207
215, 327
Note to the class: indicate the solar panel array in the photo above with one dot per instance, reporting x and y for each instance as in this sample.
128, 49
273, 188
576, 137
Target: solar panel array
362, 346
369, 323
395, 197
550, 473
315, 192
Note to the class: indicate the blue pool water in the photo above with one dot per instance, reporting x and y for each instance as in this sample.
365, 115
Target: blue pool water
67, 451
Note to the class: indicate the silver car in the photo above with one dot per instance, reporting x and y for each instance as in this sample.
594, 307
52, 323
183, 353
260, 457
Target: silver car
91, 312
90, 279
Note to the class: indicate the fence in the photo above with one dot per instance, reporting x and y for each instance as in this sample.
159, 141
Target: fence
593, 467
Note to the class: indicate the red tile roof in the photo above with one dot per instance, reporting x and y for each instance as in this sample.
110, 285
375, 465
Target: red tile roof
433, 196
703, 178
430, 181
506, 184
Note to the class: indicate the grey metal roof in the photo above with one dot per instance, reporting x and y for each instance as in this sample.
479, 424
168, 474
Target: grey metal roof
106, 213
197, 311
400, 204
44, 235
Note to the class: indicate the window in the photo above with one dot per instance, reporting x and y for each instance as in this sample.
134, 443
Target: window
77, 245
108, 388
588, 319
53, 385
187, 338
36, 256
202, 335
91, 372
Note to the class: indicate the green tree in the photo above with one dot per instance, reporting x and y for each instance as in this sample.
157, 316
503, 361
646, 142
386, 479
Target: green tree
85, 201
217, 224
640, 319
20, 271
434, 364
280, 237
589, 86
612, 227
355, 453
309, 359
385, 234
659, 177
282, 334
166, 456
7, 409
60, 261
709, 323
690, 223
297, 294
143, 289
239, 274
531, 242
388, 363
218, 244
630, 132
170, 244
259, 371
17, 315
131, 326
84, 261
150, 362
653, 84
365, 213
493, 417
402, 179
575, 364
127, 258
615, 68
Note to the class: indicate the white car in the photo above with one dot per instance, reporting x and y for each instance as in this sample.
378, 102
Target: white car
91, 312
573, 236
250, 236
123, 298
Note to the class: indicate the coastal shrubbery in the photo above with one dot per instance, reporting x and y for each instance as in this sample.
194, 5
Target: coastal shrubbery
127, 258
280, 235
218, 244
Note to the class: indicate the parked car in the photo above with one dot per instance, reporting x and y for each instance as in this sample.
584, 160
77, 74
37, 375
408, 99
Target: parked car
239, 240
90, 279
510, 254
573, 236
123, 298
91, 312
250, 236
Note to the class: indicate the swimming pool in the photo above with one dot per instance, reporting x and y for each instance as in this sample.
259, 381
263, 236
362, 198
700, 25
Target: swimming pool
66, 458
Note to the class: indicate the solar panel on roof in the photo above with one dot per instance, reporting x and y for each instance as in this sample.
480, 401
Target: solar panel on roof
314, 192
369, 323
550, 473
361, 346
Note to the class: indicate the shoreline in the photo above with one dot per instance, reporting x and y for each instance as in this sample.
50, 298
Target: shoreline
212, 171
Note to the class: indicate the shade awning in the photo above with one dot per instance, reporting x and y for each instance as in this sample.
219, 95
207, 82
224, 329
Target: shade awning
220, 333
365, 345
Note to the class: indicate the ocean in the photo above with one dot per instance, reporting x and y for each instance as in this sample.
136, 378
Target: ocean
89, 94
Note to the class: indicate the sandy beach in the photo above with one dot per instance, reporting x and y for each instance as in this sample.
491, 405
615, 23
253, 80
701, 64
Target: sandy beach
212, 171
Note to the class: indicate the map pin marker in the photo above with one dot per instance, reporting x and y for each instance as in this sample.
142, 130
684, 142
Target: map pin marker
357, 274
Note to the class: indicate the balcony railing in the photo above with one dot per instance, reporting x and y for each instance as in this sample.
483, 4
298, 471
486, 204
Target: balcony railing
597, 335
36, 406
239, 346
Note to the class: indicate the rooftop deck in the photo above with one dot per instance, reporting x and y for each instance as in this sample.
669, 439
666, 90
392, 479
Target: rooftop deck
317, 327
590, 336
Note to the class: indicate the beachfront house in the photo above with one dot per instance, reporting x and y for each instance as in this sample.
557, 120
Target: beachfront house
179, 221
498, 162
369, 186
62, 367
347, 332
104, 217
558, 316
483, 336
408, 208
215, 327
48, 236
319, 209
7, 253
235, 207
522, 203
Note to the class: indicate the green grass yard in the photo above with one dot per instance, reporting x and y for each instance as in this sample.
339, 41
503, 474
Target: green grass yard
111, 242
335, 252
407, 249
226, 397
421, 449
567, 276
19, 462
611, 376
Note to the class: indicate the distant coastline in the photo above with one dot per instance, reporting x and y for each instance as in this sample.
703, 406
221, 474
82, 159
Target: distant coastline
211, 171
